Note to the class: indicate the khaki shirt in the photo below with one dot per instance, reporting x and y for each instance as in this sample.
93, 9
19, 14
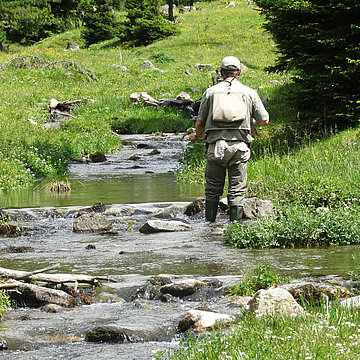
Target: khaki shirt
236, 130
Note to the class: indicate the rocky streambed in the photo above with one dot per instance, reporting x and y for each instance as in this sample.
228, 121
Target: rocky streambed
165, 281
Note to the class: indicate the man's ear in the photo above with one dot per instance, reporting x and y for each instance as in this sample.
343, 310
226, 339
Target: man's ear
239, 72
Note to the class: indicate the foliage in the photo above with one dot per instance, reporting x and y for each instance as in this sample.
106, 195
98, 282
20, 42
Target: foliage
145, 24
327, 333
4, 302
320, 41
99, 21
262, 278
26, 21
298, 226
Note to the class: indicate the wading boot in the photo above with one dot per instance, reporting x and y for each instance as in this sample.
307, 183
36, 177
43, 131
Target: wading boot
211, 208
236, 213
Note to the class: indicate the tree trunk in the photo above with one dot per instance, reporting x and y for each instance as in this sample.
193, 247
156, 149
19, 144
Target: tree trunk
35, 296
171, 10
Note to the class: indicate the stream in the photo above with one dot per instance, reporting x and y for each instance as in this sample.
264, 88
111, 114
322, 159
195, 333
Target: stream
135, 186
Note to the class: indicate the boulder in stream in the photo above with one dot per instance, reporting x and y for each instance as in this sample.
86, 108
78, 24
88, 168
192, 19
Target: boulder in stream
200, 321
92, 222
154, 226
3, 344
113, 334
314, 292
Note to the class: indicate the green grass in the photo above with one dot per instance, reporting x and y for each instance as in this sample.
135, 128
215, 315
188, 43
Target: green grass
326, 333
206, 37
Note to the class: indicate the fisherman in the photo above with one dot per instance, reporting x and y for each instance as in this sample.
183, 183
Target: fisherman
226, 112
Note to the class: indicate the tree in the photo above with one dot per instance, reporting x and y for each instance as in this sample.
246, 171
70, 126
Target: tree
144, 22
99, 20
26, 21
319, 40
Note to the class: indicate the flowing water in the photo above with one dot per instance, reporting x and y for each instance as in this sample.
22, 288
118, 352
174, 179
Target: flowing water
134, 189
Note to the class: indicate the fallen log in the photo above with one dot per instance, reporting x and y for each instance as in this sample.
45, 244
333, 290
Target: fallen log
40, 275
24, 294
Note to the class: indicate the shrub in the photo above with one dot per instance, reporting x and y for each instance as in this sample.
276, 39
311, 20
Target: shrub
145, 24
298, 226
263, 278
99, 21
4, 302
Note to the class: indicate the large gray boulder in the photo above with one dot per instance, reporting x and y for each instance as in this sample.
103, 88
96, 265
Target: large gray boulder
154, 226
255, 208
275, 301
92, 222
200, 321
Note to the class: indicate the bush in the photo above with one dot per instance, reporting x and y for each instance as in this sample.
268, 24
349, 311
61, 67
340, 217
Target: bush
263, 278
99, 21
145, 24
4, 302
298, 226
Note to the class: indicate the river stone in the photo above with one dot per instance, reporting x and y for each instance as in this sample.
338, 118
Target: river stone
98, 157
183, 288
92, 222
114, 334
275, 301
147, 65
200, 321
154, 226
3, 344
353, 302
195, 207
316, 292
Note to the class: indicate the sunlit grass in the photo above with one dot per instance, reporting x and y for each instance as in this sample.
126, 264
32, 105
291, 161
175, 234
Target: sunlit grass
327, 333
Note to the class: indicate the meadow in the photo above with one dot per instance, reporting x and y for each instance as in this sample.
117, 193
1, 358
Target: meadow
31, 151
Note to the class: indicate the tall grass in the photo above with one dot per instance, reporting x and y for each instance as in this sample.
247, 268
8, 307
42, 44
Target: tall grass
329, 333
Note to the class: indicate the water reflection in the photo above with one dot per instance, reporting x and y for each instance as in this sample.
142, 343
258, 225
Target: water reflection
129, 188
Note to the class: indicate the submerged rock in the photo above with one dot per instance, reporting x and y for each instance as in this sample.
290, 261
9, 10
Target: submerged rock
154, 226
195, 207
183, 288
92, 222
114, 334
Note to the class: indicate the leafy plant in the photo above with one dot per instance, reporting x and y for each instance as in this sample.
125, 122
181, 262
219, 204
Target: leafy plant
297, 226
4, 302
262, 278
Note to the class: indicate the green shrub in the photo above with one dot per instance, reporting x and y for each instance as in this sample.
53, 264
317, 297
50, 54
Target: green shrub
145, 24
99, 21
298, 226
263, 278
4, 302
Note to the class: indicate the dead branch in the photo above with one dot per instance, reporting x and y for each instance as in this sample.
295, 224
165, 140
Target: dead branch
39, 275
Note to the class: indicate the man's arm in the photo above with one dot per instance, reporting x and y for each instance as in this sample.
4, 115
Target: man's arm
199, 129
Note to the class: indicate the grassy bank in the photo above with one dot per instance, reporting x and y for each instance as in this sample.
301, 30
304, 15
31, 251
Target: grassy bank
329, 333
28, 151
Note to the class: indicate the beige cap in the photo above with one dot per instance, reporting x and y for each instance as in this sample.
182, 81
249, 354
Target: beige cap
230, 63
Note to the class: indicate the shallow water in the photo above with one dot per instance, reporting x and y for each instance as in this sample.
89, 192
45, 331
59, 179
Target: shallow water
131, 257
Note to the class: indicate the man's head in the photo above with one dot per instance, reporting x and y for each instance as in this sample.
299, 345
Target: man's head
230, 66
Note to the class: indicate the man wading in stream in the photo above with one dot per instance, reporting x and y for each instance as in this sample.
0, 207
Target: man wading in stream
226, 112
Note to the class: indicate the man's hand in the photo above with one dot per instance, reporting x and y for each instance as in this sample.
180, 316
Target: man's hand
193, 137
